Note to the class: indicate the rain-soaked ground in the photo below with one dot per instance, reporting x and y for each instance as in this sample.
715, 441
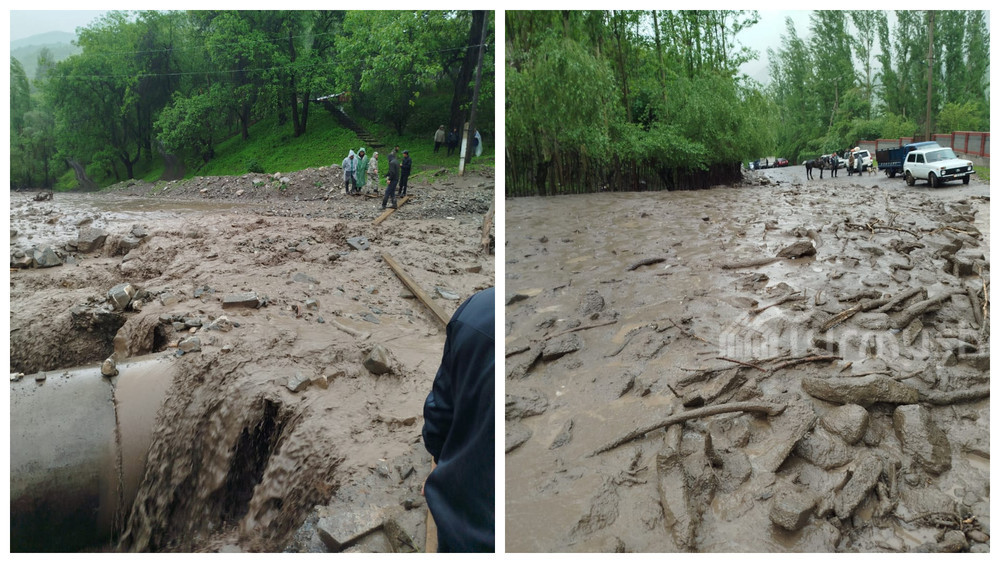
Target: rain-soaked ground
273, 427
626, 308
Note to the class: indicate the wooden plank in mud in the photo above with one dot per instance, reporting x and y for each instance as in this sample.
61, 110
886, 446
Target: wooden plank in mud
412, 285
385, 214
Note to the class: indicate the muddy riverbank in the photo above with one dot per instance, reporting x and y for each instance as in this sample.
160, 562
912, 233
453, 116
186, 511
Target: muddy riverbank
843, 323
268, 295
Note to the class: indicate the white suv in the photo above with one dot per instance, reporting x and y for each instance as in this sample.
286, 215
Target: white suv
862, 156
936, 165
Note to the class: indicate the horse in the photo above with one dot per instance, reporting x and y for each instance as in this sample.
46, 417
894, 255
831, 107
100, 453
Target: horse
814, 163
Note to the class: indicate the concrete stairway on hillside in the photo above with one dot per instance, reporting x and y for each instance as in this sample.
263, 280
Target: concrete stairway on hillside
346, 120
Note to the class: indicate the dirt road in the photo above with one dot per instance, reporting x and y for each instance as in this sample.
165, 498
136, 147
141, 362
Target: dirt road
276, 413
867, 346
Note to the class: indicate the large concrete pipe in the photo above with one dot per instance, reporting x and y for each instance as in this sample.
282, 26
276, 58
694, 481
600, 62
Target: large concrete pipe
78, 444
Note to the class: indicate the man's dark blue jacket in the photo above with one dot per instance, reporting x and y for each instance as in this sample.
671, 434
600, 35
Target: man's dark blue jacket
459, 431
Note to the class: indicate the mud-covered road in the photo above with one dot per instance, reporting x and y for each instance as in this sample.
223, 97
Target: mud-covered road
282, 282
855, 370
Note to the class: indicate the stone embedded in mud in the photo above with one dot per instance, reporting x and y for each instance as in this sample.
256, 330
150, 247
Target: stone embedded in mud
139, 231
523, 294
90, 239
564, 437
358, 243
447, 294
345, 526
791, 508
559, 347
864, 391
121, 295
378, 360
865, 476
190, 344
531, 402
19, 259
302, 277
312, 305
822, 449
921, 438
850, 422
46, 257
108, 368
298, 382
980, 361
515, 434
167, 299
222, 324
592, 304
789, 427
247, 299
798, 250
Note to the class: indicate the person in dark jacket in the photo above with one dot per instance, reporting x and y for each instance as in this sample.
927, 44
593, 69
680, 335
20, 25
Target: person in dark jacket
391, 180
459, 431
452, 141
404, 172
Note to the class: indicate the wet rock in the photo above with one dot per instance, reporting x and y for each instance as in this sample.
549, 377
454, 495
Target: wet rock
398, 537
301, 277
523, 294
192, 322
167, 299
730, 433
108, 368
921, 438
953, 541
519, 366
19, 259
358, 243
516, 434
190, 344
178, 326
592, 304
736, 469
980, 361
911, 332
248, 300
850, 422
792, 508
46, 257
753, 282
139, 231
298, 382
343, 527
522, 405
121, 295
378, 361
864, 391
686, 483
823, 449
977, 536
866, 472
312, 305
789, 427
564, 436
559, 347
798, 250
90, 239
447, 294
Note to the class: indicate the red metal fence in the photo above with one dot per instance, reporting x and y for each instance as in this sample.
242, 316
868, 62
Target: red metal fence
964, 142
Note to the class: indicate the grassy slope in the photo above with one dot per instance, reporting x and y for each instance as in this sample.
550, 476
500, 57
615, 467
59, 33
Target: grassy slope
325, 142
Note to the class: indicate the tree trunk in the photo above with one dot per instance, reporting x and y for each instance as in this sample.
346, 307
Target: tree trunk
463, 91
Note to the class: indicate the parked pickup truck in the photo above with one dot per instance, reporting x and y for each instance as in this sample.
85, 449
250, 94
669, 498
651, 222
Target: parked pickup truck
936, 165
890, 161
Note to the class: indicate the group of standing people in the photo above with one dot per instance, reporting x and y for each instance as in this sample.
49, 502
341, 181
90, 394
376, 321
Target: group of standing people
450, 140
356, 167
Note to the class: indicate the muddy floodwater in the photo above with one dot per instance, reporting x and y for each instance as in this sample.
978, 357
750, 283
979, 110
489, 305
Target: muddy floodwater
779, 366
264, 299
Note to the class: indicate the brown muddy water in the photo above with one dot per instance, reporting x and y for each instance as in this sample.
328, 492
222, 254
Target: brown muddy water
670, 317
274, 423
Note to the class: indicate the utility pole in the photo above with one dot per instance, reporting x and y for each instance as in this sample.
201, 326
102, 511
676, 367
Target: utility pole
470, 129
930, 69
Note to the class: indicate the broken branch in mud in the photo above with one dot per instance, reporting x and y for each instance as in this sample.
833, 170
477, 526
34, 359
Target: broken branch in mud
744, 364
848, 313
771, 409
415, 288
921, 307
750, 263
941, 398
899, 299
977, 308
585, 327
871, 227
356, 333
687, 333
782, 301
802, 360
646, 262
